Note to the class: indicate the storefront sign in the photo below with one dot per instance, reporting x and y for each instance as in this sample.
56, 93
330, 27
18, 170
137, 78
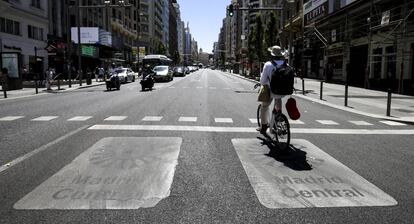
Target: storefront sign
12, 48
315, 11
90, 51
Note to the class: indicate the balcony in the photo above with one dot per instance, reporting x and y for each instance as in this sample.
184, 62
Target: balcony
119, 26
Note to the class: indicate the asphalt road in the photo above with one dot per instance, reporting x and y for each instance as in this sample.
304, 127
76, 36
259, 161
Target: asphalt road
187, 165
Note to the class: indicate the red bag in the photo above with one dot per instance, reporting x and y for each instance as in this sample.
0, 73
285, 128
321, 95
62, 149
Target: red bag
292, 109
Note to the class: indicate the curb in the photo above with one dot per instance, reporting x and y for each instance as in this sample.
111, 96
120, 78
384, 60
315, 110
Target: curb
336, 106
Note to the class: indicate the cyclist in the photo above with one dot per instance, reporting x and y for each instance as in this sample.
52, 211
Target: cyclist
277, 59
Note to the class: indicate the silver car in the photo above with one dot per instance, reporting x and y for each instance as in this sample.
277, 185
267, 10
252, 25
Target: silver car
163, 73
125, 75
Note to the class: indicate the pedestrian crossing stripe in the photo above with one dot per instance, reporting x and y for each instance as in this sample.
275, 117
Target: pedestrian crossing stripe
11, 118
152, 118
223, 120
253, 120
361, 123
327, 122
115, 118
187, 119
393, 123
45, 118
80, 118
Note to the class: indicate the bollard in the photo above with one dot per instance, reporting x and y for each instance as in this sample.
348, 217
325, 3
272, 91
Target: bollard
346, 95
303, 86
320, 94
36, 87
4, 88
58, 84
389, 103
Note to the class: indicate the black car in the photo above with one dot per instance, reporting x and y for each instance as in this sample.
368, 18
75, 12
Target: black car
179, 71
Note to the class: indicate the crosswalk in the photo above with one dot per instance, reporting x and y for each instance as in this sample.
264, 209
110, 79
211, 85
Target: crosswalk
183, 119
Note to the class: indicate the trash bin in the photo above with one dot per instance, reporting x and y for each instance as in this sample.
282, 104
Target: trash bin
88, 79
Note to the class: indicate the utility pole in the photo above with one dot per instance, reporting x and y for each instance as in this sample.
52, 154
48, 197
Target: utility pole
79, 42
69, 45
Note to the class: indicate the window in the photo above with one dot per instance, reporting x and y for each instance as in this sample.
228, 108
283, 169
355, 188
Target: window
35, 32
9, 26
36, 4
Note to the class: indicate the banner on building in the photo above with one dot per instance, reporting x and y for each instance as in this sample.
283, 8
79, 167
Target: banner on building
141, 52
88, 35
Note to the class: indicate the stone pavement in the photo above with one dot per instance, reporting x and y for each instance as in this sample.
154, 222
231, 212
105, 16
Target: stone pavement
361, 101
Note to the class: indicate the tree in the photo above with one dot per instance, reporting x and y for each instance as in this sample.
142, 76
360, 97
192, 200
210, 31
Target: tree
271, 33
258, 38
161, 48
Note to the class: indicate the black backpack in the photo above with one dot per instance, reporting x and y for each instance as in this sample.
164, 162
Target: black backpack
281, 82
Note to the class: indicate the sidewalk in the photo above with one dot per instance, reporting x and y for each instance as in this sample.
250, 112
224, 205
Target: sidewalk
30, 92
362, 101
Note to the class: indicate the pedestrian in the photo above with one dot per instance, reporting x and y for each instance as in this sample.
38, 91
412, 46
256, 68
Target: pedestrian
49, 78
101, 74
96, 73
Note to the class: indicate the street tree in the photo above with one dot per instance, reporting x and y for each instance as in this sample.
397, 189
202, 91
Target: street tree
271, 33
161, 49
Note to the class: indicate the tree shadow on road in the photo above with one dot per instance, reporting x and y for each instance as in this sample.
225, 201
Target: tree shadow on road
291, 157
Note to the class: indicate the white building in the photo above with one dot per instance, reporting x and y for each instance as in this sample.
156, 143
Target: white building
23, 30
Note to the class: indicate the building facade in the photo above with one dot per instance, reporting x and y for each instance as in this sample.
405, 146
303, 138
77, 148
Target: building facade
24, 27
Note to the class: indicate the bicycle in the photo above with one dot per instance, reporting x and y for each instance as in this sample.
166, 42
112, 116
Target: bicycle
279, 127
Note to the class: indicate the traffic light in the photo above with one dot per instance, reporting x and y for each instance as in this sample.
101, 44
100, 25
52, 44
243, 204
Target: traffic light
230, 10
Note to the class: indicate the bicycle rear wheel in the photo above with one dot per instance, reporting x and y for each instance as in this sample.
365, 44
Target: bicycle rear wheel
281, 131
259, 108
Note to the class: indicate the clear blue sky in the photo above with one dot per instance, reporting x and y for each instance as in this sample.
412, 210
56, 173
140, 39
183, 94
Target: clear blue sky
205, 18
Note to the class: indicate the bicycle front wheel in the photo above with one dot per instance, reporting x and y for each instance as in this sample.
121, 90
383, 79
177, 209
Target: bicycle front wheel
281, 129
259, 108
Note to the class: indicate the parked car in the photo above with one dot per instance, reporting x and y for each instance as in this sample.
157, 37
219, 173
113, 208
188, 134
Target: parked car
163, 73
125, 75
180, 71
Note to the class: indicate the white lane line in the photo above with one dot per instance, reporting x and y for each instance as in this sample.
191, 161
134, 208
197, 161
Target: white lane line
361, 123
393, 123
223, 120
327, 122
250, 129
11, 118
80, 118
115, 118
45, 118
151, 118
199, 87
296, 122
42, 148
187, 119
253, 120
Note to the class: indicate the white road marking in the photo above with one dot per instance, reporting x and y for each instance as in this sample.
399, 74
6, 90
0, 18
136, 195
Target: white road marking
253, 120
327, 122
303, 177
296, 122
187, 119
393, 123
361, 123
80, 118
199, 87
223, 120
45, 118
151, 118
42, 148
116, 118
250, 129
11, 118
114, 173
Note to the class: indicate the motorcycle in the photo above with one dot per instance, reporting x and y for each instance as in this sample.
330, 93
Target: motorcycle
113, 82
147, 82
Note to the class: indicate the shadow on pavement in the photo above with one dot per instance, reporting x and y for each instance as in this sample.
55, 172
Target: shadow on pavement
291, 157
